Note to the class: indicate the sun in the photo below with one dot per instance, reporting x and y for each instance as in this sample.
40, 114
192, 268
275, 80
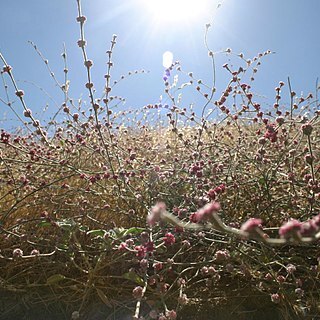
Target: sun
179, 11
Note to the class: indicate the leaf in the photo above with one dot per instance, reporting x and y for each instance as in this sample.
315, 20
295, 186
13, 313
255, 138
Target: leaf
66, 224
97, 232
55, 279
44, 224
104, 298
134, 277
133, 230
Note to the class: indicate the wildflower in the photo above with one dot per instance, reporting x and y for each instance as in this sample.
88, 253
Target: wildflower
299, 292
186, 243
205, 213
222, 255
271, 133
150, 246
88, 63
17, 253
144, 264
35, 252
309, 228
280, 120
204, 271
137, 292
89, 85
81, 43
171, 314
81, 19
281, 279
307, 129
166, 75
6, 68
20, 93
212, 270
309, 158
252, 226
156, 213
212, 194
290, 229
157, 266
122, 246
275, 298
169, 239
140, 251
183, 299
129, 242
291, 268
268, 276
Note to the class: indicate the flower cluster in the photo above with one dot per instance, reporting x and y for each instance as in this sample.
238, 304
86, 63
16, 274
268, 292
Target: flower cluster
205, 213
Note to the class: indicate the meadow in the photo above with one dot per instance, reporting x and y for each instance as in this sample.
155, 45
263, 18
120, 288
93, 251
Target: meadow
142, 214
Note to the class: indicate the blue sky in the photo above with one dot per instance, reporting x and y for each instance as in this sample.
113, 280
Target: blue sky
287, 27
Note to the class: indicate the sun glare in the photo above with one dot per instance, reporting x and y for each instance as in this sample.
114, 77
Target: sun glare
164, 11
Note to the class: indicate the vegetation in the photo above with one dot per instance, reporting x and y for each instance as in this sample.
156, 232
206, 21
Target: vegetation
114, 214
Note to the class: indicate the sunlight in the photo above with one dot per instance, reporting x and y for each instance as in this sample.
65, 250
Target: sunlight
167, 59
164, 11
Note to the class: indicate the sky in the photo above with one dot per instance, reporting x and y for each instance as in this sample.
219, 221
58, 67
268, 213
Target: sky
145, 30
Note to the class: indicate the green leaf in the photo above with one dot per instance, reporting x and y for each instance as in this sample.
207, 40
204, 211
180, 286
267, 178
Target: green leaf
44, 224
97, 232
133, 230
134, 277
55, 279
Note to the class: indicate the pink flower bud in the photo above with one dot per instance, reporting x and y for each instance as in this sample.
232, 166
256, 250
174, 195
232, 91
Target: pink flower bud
17, 253
137, 292
156, 213
290, 229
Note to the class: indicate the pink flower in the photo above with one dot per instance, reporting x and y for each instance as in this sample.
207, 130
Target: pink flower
17, 253
157, 266
156, 213
171, 314
140, 251
205, 213
35, 252
183, 300
309, 228
137, 292
290, 229
275, 298
291, 268
212, 194
251, 225
169, 239
222, 255
149, 246
271, 133
122, 246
